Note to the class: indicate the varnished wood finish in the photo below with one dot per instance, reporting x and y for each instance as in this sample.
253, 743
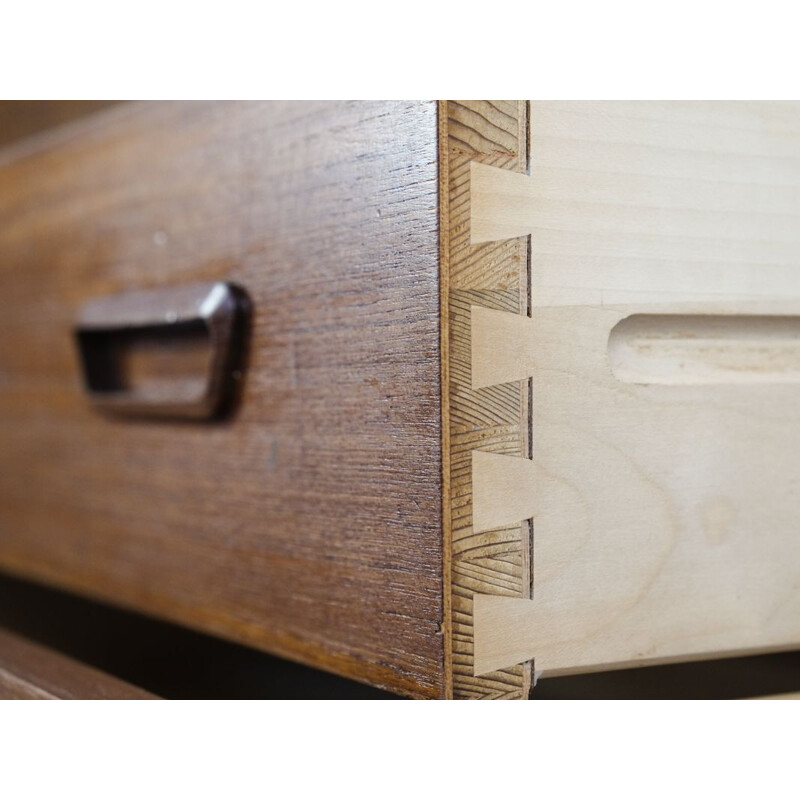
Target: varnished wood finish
495, 419
310, 523
21, 118
29, 671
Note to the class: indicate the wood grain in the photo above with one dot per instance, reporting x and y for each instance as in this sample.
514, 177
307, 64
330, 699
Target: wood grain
662, 350
29, 671
493, 420
22, 118
310, 523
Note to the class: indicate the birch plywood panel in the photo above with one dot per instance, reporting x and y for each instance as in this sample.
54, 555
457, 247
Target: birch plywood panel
664, 483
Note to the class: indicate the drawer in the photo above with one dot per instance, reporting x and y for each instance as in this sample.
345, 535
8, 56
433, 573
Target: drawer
29, 671
516, 386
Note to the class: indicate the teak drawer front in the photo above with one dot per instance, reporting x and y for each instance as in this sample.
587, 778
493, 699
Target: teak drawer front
309, 522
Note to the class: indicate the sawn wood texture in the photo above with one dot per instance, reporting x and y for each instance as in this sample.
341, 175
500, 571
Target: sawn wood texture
494, 420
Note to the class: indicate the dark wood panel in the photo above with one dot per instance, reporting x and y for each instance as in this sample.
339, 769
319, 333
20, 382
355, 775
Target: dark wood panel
29, 671
21, 118
309, 524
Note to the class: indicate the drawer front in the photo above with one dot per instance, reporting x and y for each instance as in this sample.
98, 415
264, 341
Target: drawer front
308, 522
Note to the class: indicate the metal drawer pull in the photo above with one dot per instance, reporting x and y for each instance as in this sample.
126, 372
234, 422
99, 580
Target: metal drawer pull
164, 352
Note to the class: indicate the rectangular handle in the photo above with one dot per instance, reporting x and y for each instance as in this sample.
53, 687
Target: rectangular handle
164, 352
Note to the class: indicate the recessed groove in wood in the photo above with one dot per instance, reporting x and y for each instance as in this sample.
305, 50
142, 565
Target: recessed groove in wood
712, 349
